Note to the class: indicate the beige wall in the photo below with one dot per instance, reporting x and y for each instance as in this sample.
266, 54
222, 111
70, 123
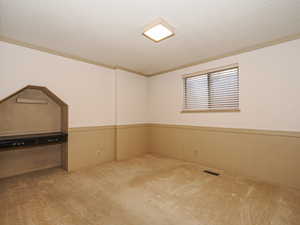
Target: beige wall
30, 159
271, 156
89, 146
264, 155
132, 140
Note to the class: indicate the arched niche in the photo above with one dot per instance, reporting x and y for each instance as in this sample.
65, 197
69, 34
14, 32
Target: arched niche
33, 110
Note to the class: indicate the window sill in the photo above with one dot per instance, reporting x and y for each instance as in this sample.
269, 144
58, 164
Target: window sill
210, 110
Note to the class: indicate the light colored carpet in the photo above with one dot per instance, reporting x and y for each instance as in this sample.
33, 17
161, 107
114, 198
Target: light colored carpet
148, 190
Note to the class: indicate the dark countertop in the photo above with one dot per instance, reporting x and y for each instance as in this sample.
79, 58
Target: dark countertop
12, 137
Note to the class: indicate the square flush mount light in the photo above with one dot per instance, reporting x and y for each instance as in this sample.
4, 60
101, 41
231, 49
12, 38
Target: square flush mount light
158, 30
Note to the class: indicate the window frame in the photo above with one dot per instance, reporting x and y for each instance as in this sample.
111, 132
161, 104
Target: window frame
207, 72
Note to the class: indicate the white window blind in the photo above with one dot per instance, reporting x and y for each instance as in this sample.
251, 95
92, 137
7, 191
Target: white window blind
212, 91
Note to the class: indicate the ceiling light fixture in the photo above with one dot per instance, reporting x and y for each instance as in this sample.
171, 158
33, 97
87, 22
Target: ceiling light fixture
158, 30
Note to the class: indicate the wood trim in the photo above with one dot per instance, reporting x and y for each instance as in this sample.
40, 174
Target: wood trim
28, 132
210, 110
217, 69
130, 71
66, 55
93, 128
231, 130
126, 126
203, 128
237, 52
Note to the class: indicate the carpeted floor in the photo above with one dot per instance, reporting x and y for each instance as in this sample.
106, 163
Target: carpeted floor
148, 190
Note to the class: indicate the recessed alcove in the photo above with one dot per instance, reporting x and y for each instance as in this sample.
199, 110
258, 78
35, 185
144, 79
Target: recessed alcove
31, 111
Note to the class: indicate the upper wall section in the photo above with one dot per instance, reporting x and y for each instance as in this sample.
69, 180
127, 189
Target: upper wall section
88, 89
132, 98
269, 92
269, 85
92, 92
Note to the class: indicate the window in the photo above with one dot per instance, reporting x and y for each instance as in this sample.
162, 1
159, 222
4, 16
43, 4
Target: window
213, 90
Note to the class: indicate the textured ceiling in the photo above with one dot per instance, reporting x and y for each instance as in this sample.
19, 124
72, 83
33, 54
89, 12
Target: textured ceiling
110, 32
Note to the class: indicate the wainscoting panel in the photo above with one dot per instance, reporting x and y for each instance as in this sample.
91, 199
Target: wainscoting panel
132, 140
271, 156
89, 146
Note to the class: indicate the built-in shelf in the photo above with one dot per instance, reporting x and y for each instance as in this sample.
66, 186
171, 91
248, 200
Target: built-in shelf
11, 142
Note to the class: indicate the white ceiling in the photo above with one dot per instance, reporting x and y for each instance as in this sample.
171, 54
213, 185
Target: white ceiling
110, 32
